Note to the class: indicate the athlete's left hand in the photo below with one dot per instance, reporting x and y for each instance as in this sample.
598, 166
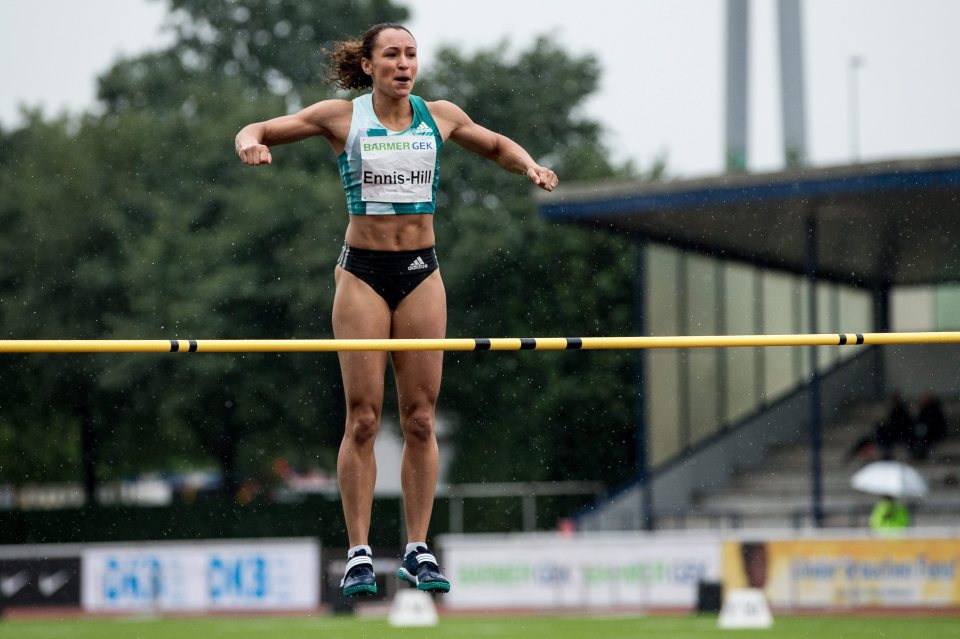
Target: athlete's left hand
543, 177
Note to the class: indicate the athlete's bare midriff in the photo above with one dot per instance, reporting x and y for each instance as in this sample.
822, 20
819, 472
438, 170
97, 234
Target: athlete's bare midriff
390, 232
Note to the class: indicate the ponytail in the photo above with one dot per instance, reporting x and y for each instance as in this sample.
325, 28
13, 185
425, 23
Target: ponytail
346, 71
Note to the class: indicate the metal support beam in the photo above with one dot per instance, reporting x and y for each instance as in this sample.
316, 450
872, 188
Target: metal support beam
639, 383
881, 322
816, 464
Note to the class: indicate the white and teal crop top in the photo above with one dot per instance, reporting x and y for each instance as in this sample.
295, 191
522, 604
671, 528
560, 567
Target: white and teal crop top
388, 172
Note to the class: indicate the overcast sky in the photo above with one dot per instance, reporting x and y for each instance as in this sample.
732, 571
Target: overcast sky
662, 60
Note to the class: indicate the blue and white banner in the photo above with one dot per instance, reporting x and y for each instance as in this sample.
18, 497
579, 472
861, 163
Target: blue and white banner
203, 576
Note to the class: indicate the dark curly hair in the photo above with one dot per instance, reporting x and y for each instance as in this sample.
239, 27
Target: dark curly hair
345, 57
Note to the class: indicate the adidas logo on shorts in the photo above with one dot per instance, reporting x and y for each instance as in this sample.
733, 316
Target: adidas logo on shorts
417, 265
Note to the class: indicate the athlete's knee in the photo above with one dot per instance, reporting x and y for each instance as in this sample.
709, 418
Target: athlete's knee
418, 424
363, 424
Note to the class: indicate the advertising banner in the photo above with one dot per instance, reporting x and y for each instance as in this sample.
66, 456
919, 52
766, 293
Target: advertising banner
201, 576
837, 573
581, 571
32, 582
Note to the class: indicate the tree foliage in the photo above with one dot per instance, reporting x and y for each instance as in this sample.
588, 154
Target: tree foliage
531, 416
268, 46
140, 222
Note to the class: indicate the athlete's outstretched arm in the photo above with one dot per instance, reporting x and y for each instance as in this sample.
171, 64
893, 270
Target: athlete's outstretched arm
491, 145
328, 119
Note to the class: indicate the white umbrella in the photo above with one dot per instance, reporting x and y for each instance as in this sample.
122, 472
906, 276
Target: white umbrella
889, 478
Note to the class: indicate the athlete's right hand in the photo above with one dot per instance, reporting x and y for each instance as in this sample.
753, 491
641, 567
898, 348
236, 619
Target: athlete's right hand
254, 154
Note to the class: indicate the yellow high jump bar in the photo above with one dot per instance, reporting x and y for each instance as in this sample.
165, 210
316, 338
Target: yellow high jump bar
463, 344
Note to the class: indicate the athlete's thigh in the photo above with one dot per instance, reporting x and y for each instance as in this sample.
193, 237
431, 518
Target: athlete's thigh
422, 314
360, 313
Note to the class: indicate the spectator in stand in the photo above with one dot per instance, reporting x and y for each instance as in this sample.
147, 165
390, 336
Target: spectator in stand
889, 517
896, 428
930, 427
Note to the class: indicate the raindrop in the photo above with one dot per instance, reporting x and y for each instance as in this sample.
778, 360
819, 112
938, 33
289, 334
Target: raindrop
305, 32
282, 29
262, 38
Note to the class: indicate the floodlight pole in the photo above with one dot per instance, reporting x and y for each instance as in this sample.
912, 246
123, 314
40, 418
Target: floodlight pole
853, 86
792, 94
737, 84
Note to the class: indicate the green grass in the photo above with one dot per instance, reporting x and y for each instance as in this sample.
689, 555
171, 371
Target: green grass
555, 627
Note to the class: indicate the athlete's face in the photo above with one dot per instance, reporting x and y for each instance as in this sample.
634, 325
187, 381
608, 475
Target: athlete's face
393, 66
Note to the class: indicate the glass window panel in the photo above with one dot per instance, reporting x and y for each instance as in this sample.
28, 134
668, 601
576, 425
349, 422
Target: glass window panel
662, 366
911, 308
740, 319
947, 307
702, 295
778, 318
663, 404
661, 265
704, 409
827, 319
703, 310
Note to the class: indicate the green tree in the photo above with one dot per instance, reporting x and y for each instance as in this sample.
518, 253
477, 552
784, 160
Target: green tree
491, 242
141, 222
215, 249
59, 252
532, 416
265, 45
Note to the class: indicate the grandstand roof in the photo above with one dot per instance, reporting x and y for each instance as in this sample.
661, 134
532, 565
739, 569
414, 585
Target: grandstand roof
878, 224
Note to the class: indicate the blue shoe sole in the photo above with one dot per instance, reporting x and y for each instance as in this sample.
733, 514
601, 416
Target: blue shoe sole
360, 589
